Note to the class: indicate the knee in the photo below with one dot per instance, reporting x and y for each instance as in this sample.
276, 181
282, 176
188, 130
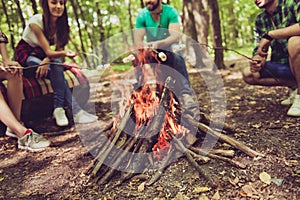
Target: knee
294, 46
249, 77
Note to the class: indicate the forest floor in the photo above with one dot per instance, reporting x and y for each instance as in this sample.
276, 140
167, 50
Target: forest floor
260, 122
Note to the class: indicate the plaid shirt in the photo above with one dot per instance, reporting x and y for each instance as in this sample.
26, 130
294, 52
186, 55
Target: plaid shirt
286, 13
24, 50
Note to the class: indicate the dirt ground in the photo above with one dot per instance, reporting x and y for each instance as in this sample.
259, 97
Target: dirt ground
260, 121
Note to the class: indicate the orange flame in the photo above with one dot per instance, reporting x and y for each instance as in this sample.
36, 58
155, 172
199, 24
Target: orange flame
146, 103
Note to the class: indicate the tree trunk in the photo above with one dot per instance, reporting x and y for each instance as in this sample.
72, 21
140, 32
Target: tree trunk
87, 28
195, 24
12, 43
131, 24
34, 6
90, 61
124, 36
19, 10
74, 6
142, 3
216, 33
102, 36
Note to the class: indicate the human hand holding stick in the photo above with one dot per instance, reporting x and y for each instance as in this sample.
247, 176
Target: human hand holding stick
131, 57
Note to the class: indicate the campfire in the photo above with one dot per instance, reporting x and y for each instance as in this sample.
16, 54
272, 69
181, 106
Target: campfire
154, 129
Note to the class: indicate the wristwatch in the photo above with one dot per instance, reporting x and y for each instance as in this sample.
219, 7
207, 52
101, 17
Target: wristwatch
267, 36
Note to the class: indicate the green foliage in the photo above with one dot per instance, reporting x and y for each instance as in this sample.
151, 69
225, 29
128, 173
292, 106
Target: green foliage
237, 17
121, 67
237, 21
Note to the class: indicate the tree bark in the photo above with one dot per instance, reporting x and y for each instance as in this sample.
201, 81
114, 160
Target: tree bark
131, 24
34, 6
102, 35
216, 33
74, 6
9, 25
19, 10
195, 24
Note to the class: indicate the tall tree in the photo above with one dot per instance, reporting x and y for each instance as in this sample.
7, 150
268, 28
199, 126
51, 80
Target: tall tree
195, 22
20, 13
130, 20
12, 38
102, 35
216, 33
142, 3
74, 6
34, 6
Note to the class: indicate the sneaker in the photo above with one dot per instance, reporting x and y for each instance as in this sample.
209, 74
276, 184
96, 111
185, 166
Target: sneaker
10, 133
295, 108
290, 99
83, 117
32, 141
60, 117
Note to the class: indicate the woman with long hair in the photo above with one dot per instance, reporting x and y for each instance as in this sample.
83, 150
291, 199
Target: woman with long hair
44, 30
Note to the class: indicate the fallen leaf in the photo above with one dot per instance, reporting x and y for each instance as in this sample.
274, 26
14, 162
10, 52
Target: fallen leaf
141, 187
216, 196
249, 190
277, 181
201, 189
1, 179
203, 197
265, 177
180, 196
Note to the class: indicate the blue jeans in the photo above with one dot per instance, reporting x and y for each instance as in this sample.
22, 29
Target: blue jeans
278, 70
62, 93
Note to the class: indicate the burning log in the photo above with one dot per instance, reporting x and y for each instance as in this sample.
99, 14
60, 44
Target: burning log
162, 131
107, 148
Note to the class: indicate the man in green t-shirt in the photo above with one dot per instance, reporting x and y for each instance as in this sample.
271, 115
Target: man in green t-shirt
160, 24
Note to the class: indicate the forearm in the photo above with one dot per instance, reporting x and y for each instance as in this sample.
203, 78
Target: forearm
55, 54
168, 41
287, 32
3, 52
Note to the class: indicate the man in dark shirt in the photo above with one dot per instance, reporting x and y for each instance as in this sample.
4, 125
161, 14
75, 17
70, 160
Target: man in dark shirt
280, 70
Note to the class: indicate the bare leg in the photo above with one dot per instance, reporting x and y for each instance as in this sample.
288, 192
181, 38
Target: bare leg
14, 92
9, 119
294, 53
294, 58
15, 95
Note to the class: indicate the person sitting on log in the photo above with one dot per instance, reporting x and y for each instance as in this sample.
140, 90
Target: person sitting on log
160, 24
283, 68
42, 31
10, 108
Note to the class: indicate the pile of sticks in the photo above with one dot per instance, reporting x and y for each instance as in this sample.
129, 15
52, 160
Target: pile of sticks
119, 152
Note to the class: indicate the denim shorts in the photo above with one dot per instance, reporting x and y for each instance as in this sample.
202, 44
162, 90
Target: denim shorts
278, 70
